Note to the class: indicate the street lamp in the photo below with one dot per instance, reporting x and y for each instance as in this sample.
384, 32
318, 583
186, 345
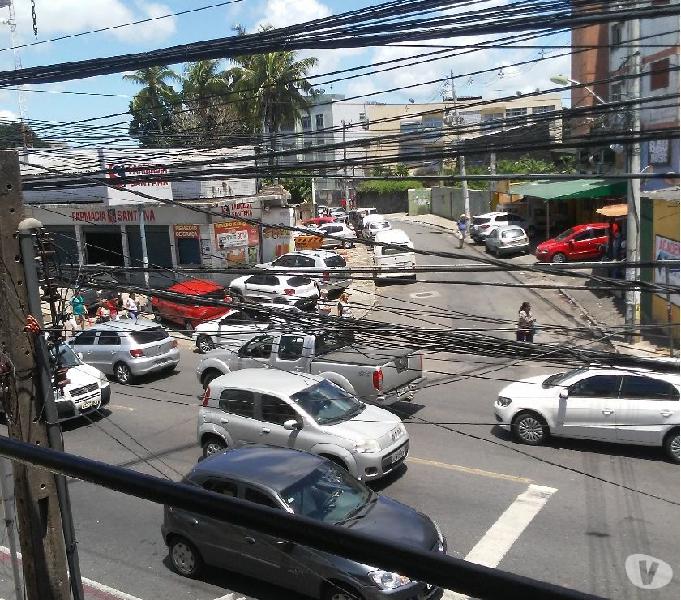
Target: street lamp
563, 80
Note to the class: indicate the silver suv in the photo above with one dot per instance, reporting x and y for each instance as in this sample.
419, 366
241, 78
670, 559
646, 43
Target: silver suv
127, 348
304, 412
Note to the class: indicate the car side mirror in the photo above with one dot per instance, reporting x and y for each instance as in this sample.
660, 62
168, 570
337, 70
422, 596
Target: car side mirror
292, 425
563, 395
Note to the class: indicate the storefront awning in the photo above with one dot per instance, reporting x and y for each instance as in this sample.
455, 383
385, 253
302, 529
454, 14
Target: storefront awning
613, 210
570, 190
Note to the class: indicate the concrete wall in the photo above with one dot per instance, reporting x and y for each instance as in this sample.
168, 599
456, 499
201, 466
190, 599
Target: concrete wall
394, 202
419, 201
448, 202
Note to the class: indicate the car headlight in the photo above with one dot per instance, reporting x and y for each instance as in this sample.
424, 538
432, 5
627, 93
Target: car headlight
366, 446
388, 581
503, 401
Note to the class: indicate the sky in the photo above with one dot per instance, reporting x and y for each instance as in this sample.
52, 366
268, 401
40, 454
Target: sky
61, 17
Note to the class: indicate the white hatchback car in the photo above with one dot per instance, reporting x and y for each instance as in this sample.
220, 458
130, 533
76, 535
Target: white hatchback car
230, 330
626, 406
298, 291
338, 230
483, 225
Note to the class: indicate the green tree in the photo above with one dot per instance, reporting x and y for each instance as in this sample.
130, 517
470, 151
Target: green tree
299, 187
13, 134
272, 87
152, 107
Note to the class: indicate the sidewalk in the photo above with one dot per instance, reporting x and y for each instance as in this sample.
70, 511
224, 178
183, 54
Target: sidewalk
603, 311
363, 291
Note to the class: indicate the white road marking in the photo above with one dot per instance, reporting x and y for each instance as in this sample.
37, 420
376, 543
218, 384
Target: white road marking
233, 596
423, 295
494, 545
121, 407
467, 470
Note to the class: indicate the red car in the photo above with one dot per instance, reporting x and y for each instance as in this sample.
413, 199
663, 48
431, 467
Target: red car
581, 242
316, 221
184, 312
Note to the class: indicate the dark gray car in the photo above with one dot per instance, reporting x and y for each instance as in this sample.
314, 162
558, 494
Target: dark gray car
303, 484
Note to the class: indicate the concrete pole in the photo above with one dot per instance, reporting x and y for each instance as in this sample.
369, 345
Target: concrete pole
492, 171
633, 297
145, 255
345, 168
462, 162
314, 198
7, 488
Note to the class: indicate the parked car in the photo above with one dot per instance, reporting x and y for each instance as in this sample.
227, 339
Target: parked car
299, 291
127, 348
581, 242
316, 221
483, 225
509, 239
612, 405
372, 224
394, 258
307, 485
230, 330
339, 214
301, 411
356, 215
338, 230
379, 376
334, 279
87, 389
184, 311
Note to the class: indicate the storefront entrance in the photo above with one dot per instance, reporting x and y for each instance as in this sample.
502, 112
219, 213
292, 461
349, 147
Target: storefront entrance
103, 246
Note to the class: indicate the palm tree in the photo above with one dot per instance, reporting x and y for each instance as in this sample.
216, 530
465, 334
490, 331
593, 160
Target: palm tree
273, 87
152, 105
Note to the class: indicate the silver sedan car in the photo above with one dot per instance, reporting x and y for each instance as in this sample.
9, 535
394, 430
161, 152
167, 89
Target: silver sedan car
304, 412
507, 240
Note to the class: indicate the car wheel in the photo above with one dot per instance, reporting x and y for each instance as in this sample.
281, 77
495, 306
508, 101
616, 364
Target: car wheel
530, 428
188, 326
336, 591
208, 376
205, 343
559, 257
184, 557
213, 445
671, 445
122, 373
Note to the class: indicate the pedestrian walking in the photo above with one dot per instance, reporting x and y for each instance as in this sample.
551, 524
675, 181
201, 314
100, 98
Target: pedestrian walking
131, 307
461, 229
79, 309
113, 304
526, 324
343, 306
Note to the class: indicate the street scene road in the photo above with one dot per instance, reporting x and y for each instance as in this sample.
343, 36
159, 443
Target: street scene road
582, 507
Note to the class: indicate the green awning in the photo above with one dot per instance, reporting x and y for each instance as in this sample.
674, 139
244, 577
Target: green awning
569, 190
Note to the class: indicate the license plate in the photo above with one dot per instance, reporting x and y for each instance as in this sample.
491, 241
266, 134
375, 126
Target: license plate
398, 455
88, 404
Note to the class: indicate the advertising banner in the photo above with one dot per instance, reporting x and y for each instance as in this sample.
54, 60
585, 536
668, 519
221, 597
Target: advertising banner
666, 249
187, 231
237, 242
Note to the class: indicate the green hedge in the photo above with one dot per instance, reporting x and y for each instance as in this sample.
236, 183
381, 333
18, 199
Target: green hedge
381, 186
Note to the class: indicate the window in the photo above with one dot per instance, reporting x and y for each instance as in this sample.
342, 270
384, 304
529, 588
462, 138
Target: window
236, 318
515, 112
583, 236
220, 486
600, 232
238, 402
597, 386
275, 410
146, 336
320, 140
306, 122
305, 261
255, 279
335, 261
615, 92
298, 281
659, 74
636, 387
658, 152
258, 497
512, 234
291, 347
286, 261
538, 110
616, 34
260, 347
109, 338
319, 121
85, 339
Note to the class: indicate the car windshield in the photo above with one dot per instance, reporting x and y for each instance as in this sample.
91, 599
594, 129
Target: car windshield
393, 251
561, 378
334, 261
565, 234
328, 494
66, 357
298, 281
218, 294
327, 403
480, 220
146, 336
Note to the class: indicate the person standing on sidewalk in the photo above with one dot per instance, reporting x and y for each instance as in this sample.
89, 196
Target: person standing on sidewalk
131, 307
343, 305
79, 309
526, 323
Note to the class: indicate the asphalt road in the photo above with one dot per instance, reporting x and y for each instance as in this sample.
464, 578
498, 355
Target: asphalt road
569, 512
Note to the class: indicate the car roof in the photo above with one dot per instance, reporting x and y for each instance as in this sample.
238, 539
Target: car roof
319, 253
491, 214
267, 466
583, 226
669, 377
195, 286
267, 381
508, 227
125, 325
397, 236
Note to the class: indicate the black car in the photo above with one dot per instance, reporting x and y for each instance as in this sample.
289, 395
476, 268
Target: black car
303, 484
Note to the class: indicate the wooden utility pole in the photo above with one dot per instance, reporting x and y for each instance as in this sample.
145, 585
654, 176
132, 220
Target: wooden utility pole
38, 515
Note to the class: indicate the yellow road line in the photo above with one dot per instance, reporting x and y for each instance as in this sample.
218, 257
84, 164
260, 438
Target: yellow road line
468, 470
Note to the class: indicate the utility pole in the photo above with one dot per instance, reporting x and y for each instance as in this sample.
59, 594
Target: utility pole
39, 519
345, 170
314, 200
7, 489
143, 239
633, 297
461, 160
492, 171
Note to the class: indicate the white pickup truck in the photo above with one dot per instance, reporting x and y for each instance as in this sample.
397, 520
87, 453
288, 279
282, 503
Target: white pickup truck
376, 376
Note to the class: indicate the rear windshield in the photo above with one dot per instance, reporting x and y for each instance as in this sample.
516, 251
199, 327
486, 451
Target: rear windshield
480, 220
330, 341
393, 251
334, 261
512, 233
146, 336
298, 281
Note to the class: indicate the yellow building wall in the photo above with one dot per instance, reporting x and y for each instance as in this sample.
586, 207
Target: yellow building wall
665, 224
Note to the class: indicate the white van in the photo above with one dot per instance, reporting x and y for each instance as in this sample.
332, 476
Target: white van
394, 258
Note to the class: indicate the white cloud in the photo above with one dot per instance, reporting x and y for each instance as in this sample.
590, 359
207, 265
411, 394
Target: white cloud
8, 115
281, 13
73, 16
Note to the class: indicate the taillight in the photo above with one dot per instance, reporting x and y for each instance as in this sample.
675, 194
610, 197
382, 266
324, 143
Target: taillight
173, 344
206, 396
378, 379
136, 353
326, 276
290, 292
